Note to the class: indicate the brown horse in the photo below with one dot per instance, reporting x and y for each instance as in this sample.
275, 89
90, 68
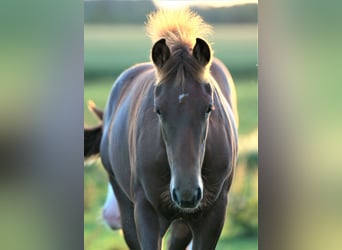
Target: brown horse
169, 138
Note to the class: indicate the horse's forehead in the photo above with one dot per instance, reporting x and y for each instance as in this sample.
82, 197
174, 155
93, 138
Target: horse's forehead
188, 93
188, 86
191, 91
182, 96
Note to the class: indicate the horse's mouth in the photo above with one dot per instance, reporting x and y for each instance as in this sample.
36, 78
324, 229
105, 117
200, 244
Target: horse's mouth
189, 210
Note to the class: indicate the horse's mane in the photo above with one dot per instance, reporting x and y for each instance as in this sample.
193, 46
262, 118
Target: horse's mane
179, 28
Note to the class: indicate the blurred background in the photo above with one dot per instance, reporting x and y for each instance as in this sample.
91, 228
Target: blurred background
41, 106
41, 110
115, 39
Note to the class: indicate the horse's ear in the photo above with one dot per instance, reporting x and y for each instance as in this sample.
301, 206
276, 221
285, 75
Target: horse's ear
201, 52
160, 53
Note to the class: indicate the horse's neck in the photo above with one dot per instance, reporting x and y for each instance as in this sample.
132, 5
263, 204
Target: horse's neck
225, 110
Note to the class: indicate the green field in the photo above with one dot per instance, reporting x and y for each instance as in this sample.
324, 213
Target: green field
111, 49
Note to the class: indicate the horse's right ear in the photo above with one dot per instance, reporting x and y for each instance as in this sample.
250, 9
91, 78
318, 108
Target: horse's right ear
202, 52
160, 53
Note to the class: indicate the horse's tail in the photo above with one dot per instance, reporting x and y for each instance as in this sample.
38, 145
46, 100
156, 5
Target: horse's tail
92, 136
92, 107
181, 26
92, 139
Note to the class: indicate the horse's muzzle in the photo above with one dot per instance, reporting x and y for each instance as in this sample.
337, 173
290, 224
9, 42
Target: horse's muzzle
187, 198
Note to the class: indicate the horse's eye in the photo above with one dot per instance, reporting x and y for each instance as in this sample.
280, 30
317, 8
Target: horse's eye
157, 110
210, 108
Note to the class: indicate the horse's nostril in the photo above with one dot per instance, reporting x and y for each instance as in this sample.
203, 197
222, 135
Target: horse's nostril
174, 196
199, 195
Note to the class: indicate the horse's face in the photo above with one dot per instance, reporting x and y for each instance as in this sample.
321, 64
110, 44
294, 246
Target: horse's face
183, 112
183, 117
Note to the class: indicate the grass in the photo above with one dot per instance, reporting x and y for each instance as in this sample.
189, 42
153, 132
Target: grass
111, 49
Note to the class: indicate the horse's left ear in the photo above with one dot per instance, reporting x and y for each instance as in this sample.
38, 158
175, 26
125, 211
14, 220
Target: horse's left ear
201, 52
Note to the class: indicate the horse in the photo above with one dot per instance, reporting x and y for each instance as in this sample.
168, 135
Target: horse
168, 138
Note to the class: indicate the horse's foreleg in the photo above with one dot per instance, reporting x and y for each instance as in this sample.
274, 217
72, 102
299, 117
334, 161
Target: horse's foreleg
147, 223
207, 231
127, 216
180, 235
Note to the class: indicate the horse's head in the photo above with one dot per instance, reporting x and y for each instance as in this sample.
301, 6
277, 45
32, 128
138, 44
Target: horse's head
183, 101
